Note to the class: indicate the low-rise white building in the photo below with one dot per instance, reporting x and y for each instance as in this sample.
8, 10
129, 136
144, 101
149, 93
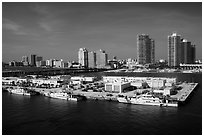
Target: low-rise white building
166, 91
153, 82
79, 79
138, 83
117, 87
51, 82
157, 83
9, 80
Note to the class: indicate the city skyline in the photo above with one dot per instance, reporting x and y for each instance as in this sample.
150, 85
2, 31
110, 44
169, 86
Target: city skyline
58, 30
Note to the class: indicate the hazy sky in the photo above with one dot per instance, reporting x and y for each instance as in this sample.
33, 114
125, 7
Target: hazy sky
58, 30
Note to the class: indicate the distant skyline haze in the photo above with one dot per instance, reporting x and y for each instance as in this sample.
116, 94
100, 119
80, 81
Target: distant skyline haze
58, 29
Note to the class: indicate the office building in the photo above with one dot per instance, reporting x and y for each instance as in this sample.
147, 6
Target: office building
101, 59
15, 63
25, 60
58, 63
174, 49
50, 62
33, 60
83, 57
92, 59
145, 49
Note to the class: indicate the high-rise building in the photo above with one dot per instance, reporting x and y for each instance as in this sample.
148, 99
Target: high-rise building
174, 49
92, 59
33, 60
50, 62
58, 63
25, 60
180, 51
101, 59
83, 57
193, 53
152, 51
145, 49
187, 52
39, 60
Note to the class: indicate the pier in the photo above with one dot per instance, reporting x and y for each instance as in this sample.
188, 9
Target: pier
181, 96
184, 93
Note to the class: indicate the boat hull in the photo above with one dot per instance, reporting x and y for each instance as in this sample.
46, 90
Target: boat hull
19, 92
141, 102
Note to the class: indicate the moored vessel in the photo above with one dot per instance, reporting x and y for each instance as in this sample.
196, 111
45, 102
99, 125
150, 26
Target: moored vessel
19, 91
146, 99
64, 96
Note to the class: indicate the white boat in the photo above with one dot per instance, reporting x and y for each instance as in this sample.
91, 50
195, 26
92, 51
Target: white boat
60, 95
63, 95
187, 71
19, 91
145, 99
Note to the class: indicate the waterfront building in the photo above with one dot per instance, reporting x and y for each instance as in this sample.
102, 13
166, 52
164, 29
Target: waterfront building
49, 82
166, 91
117, 87
83, 57
25, 60
33, 60
80, 80
180, 51
65, 64
114, 64
145, 49
153, 82
61, 64
15, 63
152, 51
174, 49
9, 80
187, 52
193, 54
58, 63
91, 59
101, 59
50, 62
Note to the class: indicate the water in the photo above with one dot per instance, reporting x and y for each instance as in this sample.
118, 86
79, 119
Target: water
39, 115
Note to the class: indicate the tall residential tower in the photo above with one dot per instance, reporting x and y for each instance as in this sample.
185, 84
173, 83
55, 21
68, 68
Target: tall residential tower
92, 59
83, 57
180, 51
145, 49
174, 49
101, 59
33, 60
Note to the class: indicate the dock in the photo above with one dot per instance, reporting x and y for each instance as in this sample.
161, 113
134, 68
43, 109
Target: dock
184, 93
181, 96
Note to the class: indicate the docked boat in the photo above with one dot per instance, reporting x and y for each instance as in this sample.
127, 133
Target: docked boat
20, 91
64, 96
145, 99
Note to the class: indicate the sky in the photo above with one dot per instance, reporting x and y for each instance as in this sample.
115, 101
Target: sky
58, 30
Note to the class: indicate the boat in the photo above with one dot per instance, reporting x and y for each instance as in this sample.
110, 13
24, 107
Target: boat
146, 99
19, 91
64, 96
